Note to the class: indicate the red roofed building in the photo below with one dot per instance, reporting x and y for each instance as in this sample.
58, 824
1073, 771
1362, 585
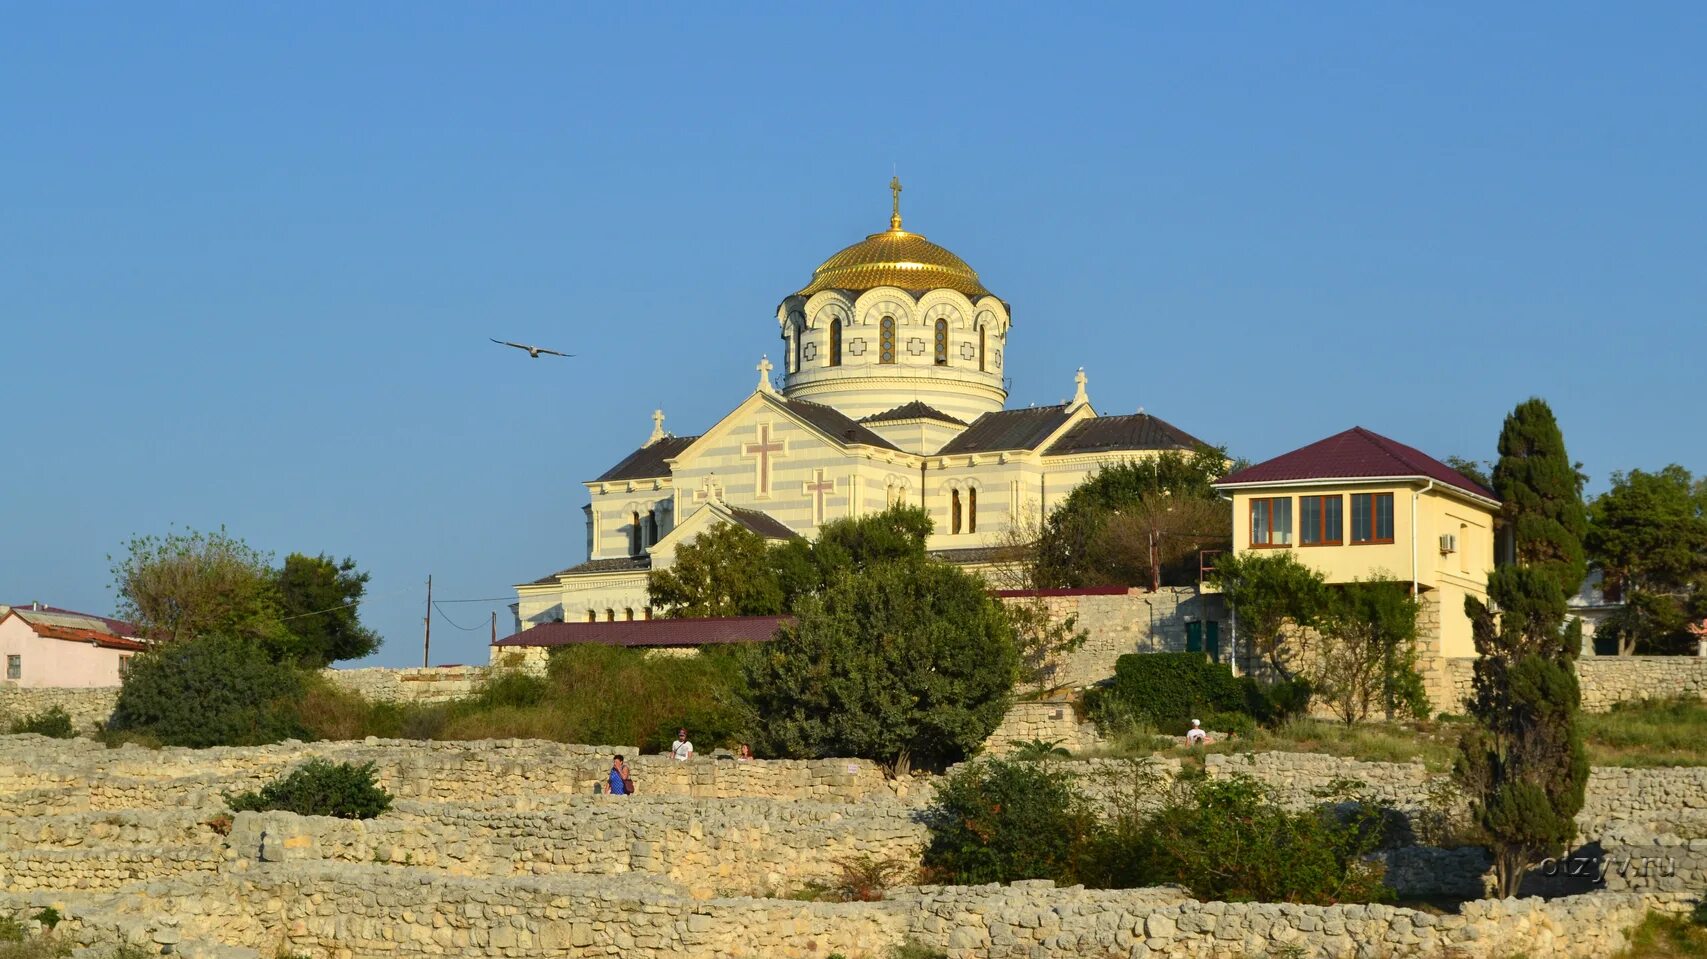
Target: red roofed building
683, 636
44, 646
1357, 505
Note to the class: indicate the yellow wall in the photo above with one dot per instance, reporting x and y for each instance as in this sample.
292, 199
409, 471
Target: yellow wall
1448, 576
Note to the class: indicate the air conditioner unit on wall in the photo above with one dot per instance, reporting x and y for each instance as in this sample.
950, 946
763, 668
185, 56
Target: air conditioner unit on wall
1449, 542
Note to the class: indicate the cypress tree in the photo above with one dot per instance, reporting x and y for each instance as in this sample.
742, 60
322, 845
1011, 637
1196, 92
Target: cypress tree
1523, 765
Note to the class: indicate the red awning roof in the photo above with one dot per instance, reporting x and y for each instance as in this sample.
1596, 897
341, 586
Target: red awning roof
652, 632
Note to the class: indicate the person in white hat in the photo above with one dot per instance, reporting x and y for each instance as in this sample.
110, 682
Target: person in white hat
1196, 736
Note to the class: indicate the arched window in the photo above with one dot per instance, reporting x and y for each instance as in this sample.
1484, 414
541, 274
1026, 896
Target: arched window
954, 511
628, 614
942, 342
634, 534
646, 612
972, 510
886, 340
592, 616
980, 349
651, 526
798, 336
836, 342
610, 615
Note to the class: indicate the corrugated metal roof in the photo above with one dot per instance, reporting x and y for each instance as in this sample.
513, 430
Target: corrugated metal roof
647, 462
716, 631
55, 623
1356, 453
763, 524
837, 424
1134, 431
1009, 430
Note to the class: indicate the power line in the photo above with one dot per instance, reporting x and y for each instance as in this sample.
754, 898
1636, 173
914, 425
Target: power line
331, 609
452, 622
482, 599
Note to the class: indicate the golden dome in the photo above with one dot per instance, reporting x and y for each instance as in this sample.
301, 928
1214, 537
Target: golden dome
895, 258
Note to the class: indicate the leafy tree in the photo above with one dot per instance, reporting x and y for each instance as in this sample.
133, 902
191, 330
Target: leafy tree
318, 597
1044, 634
725, 571
1137, 523
997, 821
1648, 536
895, 535
1368, 652
212, 690
904, 662
1472, 469
1523, 765
189, 584
1275, 598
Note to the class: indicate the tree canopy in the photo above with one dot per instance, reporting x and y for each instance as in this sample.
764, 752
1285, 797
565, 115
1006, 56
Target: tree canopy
726, 570
1542, 495
318, 601
909, 661
1648, 536
1270, 592
1137, 523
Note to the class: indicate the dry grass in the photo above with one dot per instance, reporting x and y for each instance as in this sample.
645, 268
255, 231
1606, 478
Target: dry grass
1661, 936
1658, 732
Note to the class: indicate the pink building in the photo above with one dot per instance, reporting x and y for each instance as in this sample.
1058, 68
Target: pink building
41, 646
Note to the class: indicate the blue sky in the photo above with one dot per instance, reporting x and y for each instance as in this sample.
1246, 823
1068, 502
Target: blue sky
250, 254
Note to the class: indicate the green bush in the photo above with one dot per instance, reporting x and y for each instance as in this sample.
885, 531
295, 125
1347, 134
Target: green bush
319, 788
1167, 690
996, 821
53, 721
1230, 840
1274, 703
212, 691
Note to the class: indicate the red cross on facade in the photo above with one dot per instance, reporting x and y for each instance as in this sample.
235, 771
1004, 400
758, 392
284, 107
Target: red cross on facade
763, 450
817, 489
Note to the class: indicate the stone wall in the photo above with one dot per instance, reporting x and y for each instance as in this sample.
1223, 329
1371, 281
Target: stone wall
1117, 623
1049, 721
432, 684
1608, 680
88, 707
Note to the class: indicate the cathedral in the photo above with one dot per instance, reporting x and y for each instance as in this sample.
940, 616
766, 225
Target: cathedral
891, 392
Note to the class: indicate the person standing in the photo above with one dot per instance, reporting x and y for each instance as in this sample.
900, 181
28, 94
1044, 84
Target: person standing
681, 748
618, 776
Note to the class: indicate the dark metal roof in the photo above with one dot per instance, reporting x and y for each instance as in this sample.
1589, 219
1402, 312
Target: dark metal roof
647, 462
620, 564
1009, 430
836, 423
1356, 453
763, 524
716, 631
1135, 431
912, 411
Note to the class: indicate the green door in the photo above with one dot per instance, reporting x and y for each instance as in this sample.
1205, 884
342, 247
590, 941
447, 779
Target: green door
1194, 637
1213, 635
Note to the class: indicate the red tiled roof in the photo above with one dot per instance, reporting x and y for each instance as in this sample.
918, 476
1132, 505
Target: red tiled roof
51, 622
712, 631
1356, 453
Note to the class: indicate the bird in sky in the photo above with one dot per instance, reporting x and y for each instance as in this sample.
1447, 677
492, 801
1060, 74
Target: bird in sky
533, 351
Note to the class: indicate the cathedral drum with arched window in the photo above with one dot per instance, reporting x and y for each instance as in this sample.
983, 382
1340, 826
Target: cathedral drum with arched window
895, 319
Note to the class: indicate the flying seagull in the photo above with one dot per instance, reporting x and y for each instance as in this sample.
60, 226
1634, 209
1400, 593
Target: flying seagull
533, 351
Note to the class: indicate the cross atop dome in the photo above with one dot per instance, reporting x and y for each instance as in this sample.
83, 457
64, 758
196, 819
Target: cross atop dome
895, 209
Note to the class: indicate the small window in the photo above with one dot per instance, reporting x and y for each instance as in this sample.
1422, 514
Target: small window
592, 615
942, 342
1319, 520
796, 338
886, 340
610, 615
836, 342
628, 615
980, 349
954, 511
124, 666
1271, 521
972, 510
635, 535
14, 667
1372, 517
646, 612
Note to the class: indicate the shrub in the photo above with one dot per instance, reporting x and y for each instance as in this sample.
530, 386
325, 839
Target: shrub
319, 788
1274, 703
1167, 689
1036, 749
1230, 840
213, 691
997, 821
866, 878
53, 721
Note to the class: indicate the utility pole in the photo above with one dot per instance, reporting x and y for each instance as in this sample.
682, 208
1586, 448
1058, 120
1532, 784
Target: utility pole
427, 641
494, 627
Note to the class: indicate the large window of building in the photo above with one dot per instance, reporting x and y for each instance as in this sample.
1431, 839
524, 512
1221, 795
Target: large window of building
954, 511
836, 342
1271, 521
636, 535
980, 349
941, 342
1319, 520
886, 340
1372, 517
972, 510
